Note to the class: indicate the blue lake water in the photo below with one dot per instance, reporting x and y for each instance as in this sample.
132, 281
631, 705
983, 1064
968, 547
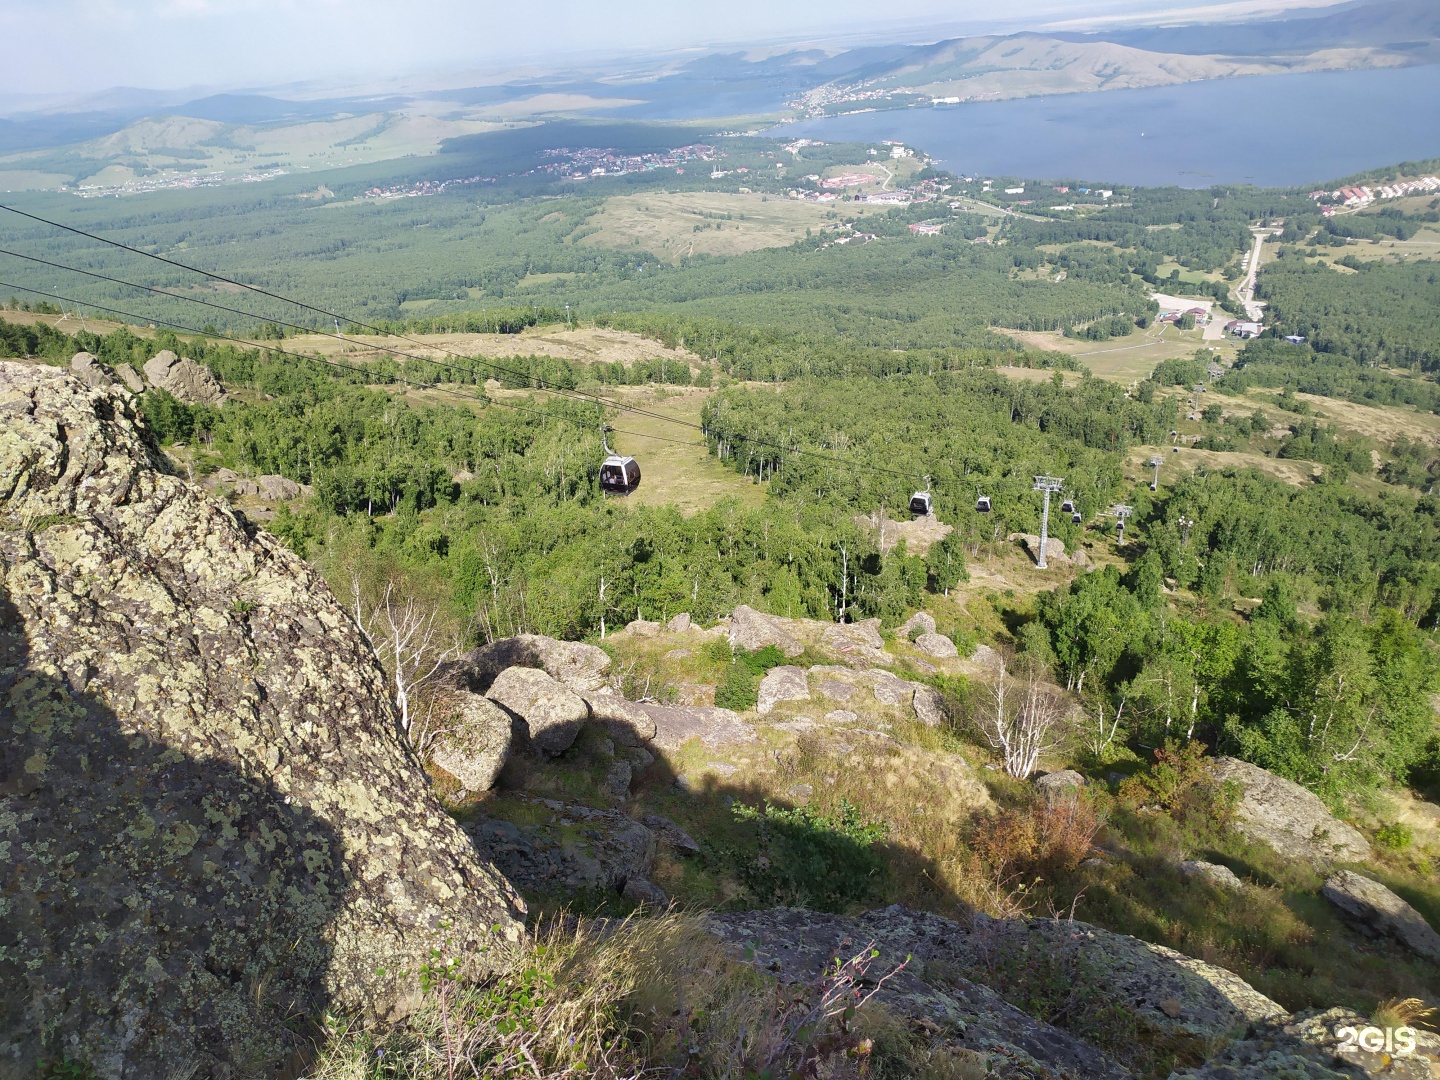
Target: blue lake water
1275, 131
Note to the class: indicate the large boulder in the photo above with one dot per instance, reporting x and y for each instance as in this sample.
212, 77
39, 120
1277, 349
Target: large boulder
625, 721
552, 713
475, 745
753, 630
1059, 787
782, 683
583, 668
1381, 912
937, 645
184, 379
1288, 818
675, 725
922, 622
131, 378
208, 822
88, 368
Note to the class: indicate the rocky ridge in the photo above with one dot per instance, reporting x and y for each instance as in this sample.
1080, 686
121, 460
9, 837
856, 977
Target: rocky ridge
208, 823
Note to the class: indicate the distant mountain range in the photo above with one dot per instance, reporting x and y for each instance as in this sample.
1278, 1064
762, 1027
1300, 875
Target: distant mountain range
242, 131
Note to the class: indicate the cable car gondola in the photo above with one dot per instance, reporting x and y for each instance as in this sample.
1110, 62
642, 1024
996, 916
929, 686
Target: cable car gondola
1068, 506
619, 475
982, 504
1076, 519
921, 504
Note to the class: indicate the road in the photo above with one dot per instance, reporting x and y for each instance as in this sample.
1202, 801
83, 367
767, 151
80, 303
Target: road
1246, 290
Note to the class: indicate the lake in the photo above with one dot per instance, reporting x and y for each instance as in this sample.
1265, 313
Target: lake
1274, 130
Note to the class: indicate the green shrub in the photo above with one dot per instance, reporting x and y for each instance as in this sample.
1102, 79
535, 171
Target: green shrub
739, 686
1395, 837
738, 689
811, 859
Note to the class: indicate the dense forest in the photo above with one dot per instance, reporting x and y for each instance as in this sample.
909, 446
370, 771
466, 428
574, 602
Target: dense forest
1289, 623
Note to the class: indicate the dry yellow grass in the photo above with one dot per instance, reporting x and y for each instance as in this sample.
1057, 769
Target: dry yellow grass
674, 225
582, 345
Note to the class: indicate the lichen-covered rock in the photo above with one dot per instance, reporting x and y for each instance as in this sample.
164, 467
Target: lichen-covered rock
1289, 818
552, 713
782, 683
929, 996
131, 378
922, 622
678, 624
208, 824
625, 721
580, 667
184, 379
1317, 1045
1381, 912
937, 645
575, 848
929, 706
1061, 786
753, 630
675, 725
89, 370
476, 744
890, 689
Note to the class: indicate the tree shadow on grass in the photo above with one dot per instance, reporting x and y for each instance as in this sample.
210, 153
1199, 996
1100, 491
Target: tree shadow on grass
160, 914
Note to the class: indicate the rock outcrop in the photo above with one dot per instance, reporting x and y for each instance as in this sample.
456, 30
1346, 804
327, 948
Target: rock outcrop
1288, 818
922, 622
626, 722
580, 667
956, 978
271, 487
208, 824
753, 630
1381, 913
675, 725
476, 744
784, 683
1059, 787
575, 848
88, 368
184, 379
1315, 1045
553, 714
938, 646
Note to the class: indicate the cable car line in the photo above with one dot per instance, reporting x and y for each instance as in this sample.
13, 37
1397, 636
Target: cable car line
341, 337
339, 365
377, 330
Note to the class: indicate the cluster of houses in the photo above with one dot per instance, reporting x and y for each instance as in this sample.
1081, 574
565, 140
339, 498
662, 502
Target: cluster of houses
424, 187
596, 161
1357, 196
1201, 315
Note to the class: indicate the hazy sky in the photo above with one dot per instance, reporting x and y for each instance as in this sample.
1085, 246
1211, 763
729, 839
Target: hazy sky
69, 46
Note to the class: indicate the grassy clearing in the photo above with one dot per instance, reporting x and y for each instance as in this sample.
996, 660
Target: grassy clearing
680, 474
1123, 359
672, 226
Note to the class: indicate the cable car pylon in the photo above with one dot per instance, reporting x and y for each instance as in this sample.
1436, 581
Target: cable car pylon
1047, 484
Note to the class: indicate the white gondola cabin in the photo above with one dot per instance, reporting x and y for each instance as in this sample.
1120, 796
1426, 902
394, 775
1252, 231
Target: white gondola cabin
619, 474
921, 504
982, 504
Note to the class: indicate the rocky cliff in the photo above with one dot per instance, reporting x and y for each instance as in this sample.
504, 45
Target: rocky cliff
209, 830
